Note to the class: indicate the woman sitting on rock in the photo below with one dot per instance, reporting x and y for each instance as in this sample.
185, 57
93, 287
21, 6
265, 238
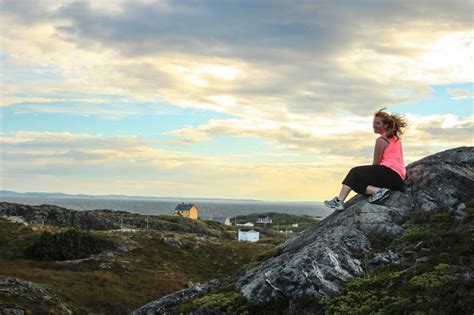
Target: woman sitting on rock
387, 170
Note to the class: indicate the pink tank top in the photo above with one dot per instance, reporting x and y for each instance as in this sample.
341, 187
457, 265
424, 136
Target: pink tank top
393, 157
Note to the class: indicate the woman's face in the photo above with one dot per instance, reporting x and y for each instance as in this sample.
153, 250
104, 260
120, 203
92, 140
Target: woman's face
378, 125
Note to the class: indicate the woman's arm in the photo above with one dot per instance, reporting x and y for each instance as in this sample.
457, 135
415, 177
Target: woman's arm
380, 144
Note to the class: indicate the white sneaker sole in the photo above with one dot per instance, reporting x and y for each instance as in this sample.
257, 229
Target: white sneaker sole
381, 198
338, 208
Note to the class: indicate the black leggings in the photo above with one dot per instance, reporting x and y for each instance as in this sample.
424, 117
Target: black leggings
360, 177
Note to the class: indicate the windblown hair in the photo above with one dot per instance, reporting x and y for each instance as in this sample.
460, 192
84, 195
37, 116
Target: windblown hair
394, 123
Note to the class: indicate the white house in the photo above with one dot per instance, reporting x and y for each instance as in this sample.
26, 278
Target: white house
264, 220
248, 224
223, 220
249, 236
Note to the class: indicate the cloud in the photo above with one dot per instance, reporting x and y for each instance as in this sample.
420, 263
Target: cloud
303, 77
459, 93
343, 136
265, 59
59, 161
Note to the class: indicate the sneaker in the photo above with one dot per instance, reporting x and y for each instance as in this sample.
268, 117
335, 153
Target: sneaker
379, 195
334, 203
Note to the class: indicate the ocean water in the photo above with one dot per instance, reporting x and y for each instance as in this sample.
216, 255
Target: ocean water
209, 209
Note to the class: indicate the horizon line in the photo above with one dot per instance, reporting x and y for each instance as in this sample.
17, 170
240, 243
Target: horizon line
2, 191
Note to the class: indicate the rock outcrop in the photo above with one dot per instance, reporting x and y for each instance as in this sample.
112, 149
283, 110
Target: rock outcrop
101, 219
44, 300
58, 216
320, 260
170, 301
442, 181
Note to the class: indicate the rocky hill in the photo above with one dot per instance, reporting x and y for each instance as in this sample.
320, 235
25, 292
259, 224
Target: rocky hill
105, 219
318, 263
46, 269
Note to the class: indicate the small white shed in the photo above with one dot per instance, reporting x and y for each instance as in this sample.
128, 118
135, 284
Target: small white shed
248, 224
249, 236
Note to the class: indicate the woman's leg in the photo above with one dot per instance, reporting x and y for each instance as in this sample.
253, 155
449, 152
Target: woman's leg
357, 179
371, 189
345, 190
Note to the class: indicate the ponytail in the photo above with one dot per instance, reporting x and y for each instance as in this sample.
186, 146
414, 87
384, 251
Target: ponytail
395, 123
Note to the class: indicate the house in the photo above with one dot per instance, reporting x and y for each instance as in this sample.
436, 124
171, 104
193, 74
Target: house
249, 236
248, 224
264, 220
223, 220
187, 210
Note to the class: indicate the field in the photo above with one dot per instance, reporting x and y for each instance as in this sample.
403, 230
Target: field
144, 266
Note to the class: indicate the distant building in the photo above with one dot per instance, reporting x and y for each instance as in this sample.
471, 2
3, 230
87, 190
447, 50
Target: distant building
249, 236
295, 224
264, 220
248, 224
223, 220
187, 210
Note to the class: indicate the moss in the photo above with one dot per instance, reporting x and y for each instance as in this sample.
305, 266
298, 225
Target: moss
440, 291
230, 303
434, 286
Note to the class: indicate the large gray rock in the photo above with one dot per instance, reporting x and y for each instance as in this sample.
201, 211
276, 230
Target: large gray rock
443, 181
168, 303
28, 293
319, 261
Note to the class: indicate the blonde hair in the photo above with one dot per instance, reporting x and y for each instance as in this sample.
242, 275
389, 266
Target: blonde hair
394, 123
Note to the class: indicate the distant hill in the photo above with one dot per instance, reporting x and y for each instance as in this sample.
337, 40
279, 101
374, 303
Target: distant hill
8, 193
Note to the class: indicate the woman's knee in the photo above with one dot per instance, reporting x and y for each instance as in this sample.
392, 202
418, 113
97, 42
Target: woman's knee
355, 170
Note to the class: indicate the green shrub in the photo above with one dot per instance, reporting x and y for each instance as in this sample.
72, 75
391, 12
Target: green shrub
440, 291
228, 302
69, 244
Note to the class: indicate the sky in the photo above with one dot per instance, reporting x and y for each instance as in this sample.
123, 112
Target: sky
268, 100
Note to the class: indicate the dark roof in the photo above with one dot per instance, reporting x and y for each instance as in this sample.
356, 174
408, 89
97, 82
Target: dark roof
184, 206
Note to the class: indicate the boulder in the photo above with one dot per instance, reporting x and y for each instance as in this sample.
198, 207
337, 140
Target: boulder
27, 293
320, 260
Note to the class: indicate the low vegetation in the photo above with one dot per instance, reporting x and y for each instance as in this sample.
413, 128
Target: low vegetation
433, 277
144, 266
66, 245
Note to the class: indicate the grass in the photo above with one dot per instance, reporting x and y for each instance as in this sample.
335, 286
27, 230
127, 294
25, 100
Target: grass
124, 281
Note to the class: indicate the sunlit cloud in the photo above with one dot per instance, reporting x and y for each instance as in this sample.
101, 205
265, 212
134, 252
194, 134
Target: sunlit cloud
460, 93
292, 76
123, 55
139, 168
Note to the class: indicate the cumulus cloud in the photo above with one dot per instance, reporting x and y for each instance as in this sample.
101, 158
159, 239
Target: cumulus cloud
264, 58
304, 77
460, 93
349, 138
